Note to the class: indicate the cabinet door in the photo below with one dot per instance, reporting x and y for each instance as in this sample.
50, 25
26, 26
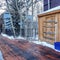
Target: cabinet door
49, 28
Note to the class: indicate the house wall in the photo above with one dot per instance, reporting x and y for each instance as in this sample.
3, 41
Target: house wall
52, 4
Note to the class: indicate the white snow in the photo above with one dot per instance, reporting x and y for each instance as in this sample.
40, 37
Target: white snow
3, 6
1, 56
19, 37
5, 35
11, 37
53, 9
45, 44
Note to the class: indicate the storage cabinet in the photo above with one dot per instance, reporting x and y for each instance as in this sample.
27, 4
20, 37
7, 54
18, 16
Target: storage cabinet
49, 26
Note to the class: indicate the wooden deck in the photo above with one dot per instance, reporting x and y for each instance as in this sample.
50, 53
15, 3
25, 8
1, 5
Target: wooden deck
24, 50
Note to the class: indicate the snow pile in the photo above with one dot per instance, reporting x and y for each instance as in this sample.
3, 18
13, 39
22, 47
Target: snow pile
36, 38
33, 38
47, 44
1, 56
10, 37
19, 37
2, 6
44, 44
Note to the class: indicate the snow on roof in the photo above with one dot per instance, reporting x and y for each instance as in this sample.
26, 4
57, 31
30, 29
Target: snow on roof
50, 10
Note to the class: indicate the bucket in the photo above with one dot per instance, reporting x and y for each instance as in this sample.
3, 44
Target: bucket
57, 45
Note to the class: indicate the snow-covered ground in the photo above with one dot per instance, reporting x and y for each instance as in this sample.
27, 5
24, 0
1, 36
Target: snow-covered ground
1, 56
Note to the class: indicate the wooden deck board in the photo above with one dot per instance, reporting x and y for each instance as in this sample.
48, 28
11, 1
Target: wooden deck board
24, 50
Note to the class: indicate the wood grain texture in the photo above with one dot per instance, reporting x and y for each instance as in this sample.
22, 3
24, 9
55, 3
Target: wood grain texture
47, 26
24, 50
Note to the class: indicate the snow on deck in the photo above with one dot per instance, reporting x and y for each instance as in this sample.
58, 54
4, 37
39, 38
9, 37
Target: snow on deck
1, 56
45, 44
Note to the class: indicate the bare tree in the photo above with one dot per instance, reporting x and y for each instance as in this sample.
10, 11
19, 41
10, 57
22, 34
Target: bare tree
13, 6
19, 10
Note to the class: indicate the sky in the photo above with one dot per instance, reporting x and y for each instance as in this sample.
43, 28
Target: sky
2, 6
